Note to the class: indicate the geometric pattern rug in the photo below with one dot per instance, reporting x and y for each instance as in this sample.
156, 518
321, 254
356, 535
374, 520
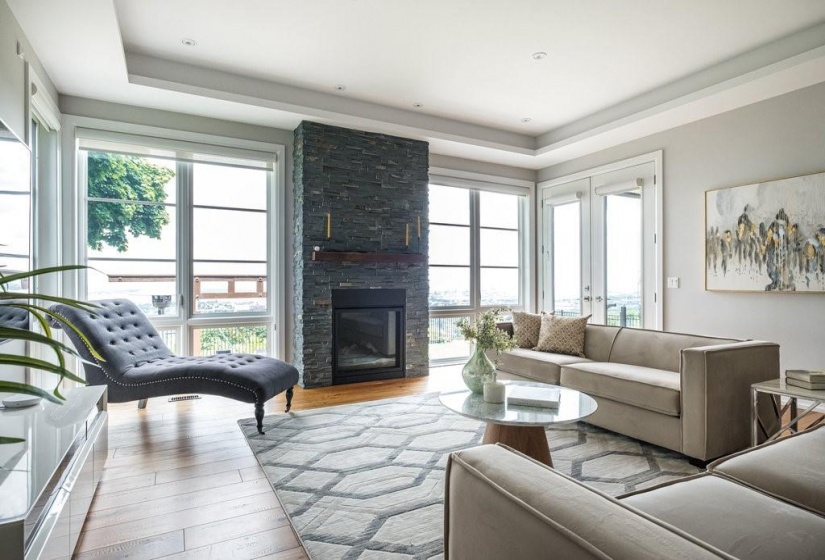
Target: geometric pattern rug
366, 481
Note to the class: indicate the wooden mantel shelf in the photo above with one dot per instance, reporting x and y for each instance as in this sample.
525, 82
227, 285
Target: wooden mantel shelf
354, 256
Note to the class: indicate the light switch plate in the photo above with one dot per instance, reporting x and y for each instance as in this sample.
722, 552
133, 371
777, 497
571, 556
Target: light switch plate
673, 282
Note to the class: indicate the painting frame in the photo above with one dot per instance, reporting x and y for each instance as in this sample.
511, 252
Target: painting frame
766, 237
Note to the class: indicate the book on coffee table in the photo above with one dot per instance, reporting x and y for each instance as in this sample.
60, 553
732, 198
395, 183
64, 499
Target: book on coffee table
810, 385
540, 397
809, 375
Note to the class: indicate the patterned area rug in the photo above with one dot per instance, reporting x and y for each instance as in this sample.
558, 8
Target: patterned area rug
365, 481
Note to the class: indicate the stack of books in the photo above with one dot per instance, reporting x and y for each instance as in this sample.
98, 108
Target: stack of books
539, 397
811, 379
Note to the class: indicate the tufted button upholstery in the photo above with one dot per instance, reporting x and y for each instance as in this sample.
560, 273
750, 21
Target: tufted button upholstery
139, 365
13, 317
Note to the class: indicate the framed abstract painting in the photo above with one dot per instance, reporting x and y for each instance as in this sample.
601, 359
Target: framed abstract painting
766, 237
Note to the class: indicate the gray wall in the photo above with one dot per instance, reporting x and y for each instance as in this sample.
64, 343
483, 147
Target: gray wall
13, 91
777, 138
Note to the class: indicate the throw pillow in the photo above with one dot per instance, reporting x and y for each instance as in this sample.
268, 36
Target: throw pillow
526, 327
562, 335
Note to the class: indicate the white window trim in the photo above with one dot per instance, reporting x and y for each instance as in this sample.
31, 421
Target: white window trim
77, 127
527, 227
652, 157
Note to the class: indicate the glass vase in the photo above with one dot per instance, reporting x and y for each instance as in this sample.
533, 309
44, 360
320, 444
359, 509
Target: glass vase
478, 370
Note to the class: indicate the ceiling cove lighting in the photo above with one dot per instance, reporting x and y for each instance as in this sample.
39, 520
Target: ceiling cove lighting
189, 42
526, 120
539, 55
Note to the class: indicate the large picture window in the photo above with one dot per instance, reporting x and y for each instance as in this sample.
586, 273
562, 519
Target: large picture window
187, 237
476, 260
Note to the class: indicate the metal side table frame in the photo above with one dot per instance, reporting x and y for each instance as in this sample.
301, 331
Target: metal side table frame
777, 388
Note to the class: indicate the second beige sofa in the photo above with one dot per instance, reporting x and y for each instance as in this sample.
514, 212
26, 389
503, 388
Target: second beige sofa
684, 392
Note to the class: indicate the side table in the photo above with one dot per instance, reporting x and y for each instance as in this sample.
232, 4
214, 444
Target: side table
777, 388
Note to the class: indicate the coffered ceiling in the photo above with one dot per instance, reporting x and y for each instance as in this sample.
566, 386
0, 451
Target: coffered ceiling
462, 74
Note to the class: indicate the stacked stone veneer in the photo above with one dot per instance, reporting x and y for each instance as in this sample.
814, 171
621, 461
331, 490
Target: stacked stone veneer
374, 186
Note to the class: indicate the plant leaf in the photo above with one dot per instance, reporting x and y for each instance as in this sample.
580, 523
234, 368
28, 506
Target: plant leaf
27, 361
24, 389
7, 440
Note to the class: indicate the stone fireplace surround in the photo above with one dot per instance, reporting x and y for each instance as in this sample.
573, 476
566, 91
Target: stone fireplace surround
375, 189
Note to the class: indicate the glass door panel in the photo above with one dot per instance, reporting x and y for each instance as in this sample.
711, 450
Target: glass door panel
566, 249
623, 259
623, 251
567, 259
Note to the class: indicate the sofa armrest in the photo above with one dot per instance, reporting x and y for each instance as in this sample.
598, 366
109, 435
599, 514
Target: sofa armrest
716, 395
501, 504
506, 326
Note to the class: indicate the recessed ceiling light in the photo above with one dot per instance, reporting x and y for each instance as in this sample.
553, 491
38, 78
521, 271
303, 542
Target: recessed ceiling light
418, 105
340, 87
539, 55
526, 120
189, 42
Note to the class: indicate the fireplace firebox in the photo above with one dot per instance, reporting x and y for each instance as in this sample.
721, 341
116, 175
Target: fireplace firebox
368, 327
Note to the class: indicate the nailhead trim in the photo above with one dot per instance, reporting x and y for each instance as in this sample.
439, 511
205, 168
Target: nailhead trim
183, 358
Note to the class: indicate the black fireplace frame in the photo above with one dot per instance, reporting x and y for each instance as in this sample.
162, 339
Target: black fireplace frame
377, 300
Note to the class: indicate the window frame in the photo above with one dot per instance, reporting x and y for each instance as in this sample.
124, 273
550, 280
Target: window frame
477, 183
475, 227
192, 148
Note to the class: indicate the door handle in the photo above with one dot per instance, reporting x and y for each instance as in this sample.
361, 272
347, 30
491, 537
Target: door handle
599, 298
586, 298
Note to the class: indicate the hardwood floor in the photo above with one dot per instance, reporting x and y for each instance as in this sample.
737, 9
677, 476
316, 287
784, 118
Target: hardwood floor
181, 482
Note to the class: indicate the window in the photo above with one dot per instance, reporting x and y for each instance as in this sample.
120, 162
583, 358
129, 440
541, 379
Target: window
185, 236
15, 206
476, 260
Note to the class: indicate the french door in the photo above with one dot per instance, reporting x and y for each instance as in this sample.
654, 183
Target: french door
599, 254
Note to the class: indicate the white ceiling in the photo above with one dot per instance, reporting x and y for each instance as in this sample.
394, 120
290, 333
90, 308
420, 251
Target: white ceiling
613, 71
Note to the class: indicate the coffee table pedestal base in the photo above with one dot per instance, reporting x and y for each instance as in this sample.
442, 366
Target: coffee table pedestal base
530, 440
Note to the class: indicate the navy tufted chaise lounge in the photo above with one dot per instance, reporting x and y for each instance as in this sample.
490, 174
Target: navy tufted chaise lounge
138, 365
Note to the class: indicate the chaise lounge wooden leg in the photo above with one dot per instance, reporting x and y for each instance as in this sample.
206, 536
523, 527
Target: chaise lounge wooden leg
259, 416
142, 403
289, 393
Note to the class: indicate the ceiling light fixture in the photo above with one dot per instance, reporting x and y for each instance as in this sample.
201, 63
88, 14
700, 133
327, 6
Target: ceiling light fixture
189, 42
539, 55
418, 105
526, 120
340, 87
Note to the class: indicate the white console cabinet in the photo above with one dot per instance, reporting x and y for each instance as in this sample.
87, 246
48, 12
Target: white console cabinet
47, 483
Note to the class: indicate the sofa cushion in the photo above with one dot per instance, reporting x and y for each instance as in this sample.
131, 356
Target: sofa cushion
652, 389
526, 328
562, 335
598, 340
740, 521
789, 468
656, 349
543, 367
501, 505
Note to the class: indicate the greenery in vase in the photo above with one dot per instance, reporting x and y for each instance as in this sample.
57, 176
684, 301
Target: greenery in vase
33, 304
484, 332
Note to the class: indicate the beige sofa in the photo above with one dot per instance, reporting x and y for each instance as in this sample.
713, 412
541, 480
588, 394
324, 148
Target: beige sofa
684, 392
763, 504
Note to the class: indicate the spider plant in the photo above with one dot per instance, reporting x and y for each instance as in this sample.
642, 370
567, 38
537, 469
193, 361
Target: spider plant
35, 305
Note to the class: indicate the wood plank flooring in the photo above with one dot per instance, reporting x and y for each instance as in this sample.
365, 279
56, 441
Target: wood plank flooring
181, 482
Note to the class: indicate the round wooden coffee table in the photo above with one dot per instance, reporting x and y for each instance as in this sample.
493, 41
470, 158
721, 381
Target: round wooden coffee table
520, 427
